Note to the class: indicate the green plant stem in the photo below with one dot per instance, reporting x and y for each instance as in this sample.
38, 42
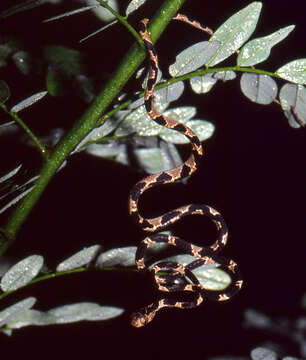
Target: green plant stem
62, 273
123, 21
186, 77
87, 122
27, 130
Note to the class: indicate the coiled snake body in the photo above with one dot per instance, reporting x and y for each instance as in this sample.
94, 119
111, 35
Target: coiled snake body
203, 255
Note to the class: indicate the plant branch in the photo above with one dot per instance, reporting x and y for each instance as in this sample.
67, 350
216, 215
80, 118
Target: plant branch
27, 130
186, 77
123, 21
62, 273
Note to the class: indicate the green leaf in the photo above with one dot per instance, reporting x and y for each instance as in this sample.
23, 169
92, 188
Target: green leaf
292, 95
67, 59
295, 71
22, 273
261, 89
14, 311
55, 82
81, 258
235, 31
258, 50
193, 57
4, 92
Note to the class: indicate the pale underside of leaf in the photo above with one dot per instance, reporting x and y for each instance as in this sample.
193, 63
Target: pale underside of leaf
295, 71
21, 273
261, 89
14, 311
193, 57
81, 258
28, 101
134, 5
210, 277
258, 50
293, 96
235, 31
262, 353
124, 256
10, 174
66, 314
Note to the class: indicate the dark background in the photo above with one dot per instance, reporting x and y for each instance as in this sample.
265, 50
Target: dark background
253, 173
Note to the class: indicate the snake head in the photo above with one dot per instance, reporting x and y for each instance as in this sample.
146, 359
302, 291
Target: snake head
140, 319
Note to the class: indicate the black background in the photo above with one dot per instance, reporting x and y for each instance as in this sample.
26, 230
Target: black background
253, 173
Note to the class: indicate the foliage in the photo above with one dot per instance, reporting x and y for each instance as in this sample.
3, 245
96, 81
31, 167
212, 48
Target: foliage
108, 133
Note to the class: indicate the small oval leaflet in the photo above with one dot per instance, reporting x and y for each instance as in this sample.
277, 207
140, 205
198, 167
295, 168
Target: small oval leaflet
158, 159
258, 50
124, 256
21, 273
64, 314
81, 258
110, 150
140, 122
292, 95
261, 353
209, 276
193, 57
103, 13
235, 31
84, 311
150, 160
202, 128
171, 92
225, 75
202, 84
28, 101
14, 311
295, 71
261, 89
32, 317
170, 155
134, 5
